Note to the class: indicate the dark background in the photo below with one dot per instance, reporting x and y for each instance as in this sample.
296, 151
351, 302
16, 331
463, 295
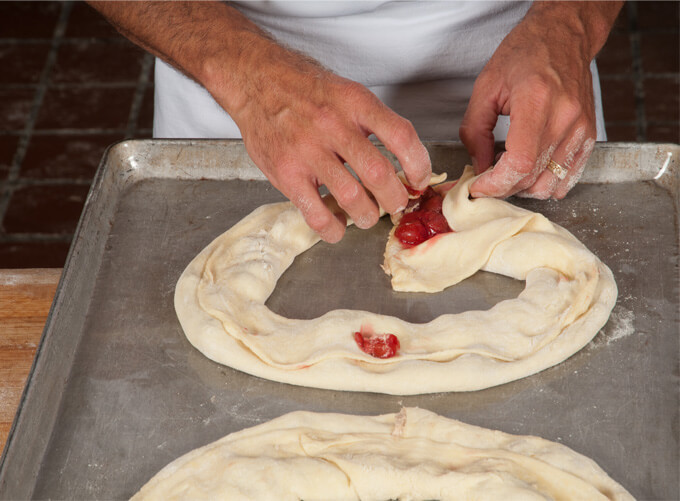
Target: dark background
70, 85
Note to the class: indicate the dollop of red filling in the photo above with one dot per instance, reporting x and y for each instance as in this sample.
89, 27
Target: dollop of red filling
424, 221
377, 345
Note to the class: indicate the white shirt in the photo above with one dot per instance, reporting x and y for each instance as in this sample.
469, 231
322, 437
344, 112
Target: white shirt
420, 58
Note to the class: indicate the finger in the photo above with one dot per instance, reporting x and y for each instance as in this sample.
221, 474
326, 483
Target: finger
525, 155
349, 194
570, 116
564, 155
575, 170
400, 137
543, 188
377, 174
305, 196
539, 168
476, 128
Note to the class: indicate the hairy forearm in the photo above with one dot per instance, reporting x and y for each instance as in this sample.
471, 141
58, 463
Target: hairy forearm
589, 23
210, 42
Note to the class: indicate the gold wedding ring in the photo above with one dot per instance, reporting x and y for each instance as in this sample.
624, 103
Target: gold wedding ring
557, 169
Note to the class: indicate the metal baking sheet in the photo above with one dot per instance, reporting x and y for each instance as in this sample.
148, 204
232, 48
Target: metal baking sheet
117, 392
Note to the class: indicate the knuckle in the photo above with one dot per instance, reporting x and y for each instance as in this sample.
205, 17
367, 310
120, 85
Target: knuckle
589, 145
465, 132
540, 89
523, 162
343, 135
527, 183
376, 172
319, 221
403, 132
348, 194
571, 109
326, 118
484, 79
352, 91
286, 168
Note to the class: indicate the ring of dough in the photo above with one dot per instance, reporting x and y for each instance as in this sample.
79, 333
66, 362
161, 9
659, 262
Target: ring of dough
569, 294
414, 454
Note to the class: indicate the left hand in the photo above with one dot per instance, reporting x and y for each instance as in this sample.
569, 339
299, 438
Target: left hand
539, 76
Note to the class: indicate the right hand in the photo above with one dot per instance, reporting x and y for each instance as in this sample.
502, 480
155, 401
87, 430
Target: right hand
300, 123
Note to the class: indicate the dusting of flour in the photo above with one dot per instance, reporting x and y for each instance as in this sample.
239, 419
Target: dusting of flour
622, 324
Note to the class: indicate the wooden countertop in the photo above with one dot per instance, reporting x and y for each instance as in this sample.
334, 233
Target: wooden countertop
25, 300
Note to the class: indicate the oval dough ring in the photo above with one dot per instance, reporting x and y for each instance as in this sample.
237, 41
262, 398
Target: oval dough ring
220, 302
414, 454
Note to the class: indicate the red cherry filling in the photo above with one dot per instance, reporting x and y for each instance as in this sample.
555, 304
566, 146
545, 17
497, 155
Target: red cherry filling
433, 204
412, 191
424, 222
411, 233
378, 346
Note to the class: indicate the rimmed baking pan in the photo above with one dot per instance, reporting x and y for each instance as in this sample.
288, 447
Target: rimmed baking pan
117, 392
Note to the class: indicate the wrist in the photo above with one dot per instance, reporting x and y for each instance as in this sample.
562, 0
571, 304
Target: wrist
584, 23
254, 74
230, 67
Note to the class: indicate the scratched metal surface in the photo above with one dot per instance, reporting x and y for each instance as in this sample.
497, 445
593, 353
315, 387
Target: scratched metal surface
117, 392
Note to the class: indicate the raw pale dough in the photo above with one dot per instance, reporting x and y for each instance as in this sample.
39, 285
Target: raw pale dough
407, 456
220, 301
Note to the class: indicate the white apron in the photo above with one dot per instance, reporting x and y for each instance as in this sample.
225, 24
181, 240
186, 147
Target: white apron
419, 58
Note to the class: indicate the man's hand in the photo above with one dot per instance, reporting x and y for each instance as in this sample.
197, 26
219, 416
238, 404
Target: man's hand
540, 77
300, 123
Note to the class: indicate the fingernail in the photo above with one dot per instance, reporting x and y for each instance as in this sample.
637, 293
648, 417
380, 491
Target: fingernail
365, 221
423, 183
